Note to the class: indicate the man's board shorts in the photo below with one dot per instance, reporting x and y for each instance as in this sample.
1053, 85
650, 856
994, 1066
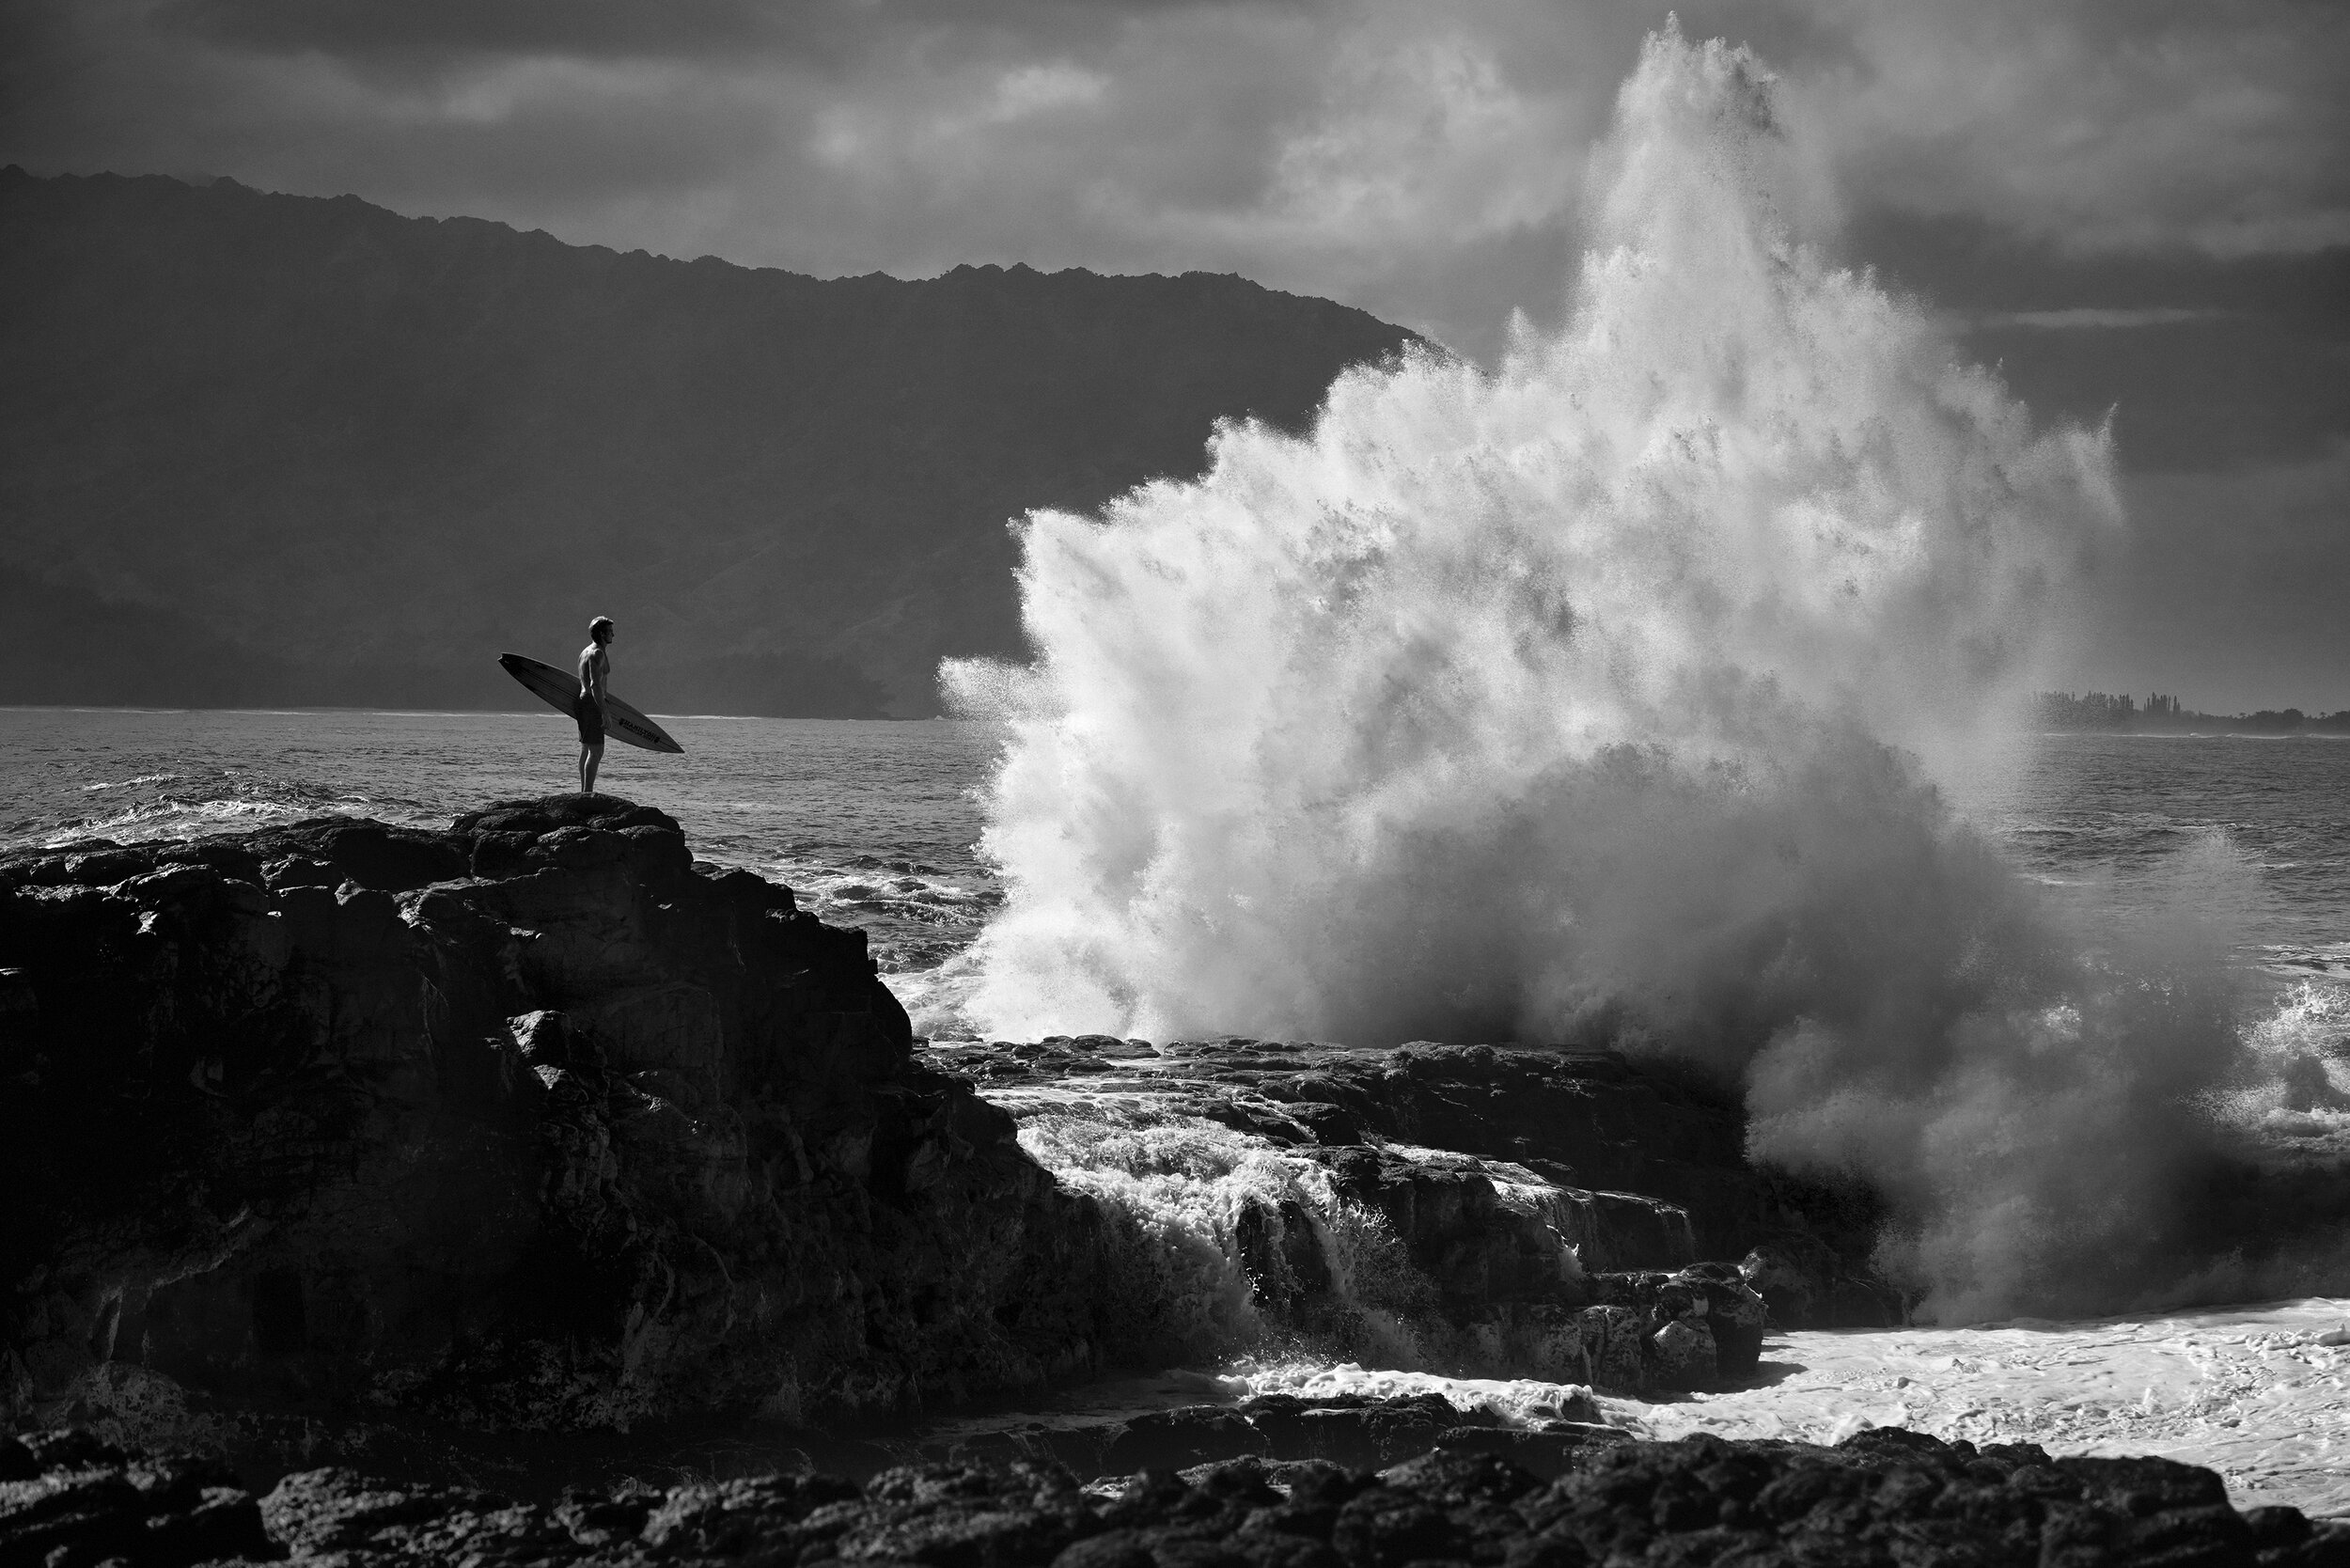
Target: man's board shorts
590, 718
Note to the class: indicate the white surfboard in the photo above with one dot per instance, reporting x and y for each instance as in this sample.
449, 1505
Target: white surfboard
559, 689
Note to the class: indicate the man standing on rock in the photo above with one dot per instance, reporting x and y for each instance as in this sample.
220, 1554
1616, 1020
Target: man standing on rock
595, 669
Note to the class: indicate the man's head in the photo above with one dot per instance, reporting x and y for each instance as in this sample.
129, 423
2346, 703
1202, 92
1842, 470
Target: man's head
600, 630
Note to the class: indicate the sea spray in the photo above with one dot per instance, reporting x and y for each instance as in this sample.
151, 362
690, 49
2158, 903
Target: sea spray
1363, 734
1618, 695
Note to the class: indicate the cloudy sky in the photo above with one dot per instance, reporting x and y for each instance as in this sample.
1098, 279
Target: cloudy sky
2141, 205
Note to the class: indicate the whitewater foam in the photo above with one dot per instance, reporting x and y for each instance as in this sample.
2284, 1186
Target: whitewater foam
1250, 1248
183, 806
1438, 721
2256, 1392
1633, 694
1514, 1401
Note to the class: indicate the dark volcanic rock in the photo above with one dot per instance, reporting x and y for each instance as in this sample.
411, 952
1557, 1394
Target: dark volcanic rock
1482, 1246
534, 1123
1709, 1300
1597, 1119
1455, 1229
1358, 1431
1883, 1497
67, 1497
1807, 1285
1649, 1156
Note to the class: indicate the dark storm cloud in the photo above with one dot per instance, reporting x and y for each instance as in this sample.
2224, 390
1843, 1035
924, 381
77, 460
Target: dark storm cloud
1423, 160
549, 138
2206, 362
450, 29
2102, 124
813, 31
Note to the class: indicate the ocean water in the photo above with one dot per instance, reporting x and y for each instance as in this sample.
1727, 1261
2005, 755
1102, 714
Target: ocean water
870, 822
876, 825
2096, 816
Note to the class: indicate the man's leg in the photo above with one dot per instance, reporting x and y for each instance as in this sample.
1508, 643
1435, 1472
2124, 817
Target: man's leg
590, 758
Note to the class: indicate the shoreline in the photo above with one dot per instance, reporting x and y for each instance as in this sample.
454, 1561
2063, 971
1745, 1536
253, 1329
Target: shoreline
540, 711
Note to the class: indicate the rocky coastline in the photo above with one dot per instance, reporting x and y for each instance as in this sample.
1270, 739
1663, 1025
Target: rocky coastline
532, 1124
374, 1148
540, 1124
1886, 1497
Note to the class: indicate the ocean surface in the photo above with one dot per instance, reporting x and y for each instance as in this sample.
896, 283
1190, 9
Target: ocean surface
2099, 816
870, 822
875, 824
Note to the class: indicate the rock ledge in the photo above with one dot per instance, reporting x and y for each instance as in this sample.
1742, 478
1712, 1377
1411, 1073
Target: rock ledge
1883, 1498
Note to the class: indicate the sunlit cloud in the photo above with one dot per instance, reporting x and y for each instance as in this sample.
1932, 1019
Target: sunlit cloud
2102, 123
1425, 161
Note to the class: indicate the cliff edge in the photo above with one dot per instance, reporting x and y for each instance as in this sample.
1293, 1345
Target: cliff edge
533, 1123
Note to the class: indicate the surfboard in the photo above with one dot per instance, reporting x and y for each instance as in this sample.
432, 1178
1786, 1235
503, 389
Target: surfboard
559, 689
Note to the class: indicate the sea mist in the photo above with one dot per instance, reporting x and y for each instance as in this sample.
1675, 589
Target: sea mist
1619, 696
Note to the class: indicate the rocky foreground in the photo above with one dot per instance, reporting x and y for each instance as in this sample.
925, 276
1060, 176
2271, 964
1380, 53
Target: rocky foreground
535, 1124
1886, 1496
1525, 1212
351, 1144
539, 1124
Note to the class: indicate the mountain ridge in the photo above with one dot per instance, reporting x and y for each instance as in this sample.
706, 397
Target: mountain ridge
309, 450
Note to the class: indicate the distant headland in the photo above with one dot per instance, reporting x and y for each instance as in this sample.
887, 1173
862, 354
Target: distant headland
274, 451
2165, 715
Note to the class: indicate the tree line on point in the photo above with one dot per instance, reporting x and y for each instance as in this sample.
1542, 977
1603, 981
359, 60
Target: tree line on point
2105, 711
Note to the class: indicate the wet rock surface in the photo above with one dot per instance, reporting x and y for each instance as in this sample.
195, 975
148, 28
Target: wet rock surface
1587, 1120
340, 1142
1479, 1256
1888, 1497
532, 1124
69, 1497
1361, 1431
1636, 1164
